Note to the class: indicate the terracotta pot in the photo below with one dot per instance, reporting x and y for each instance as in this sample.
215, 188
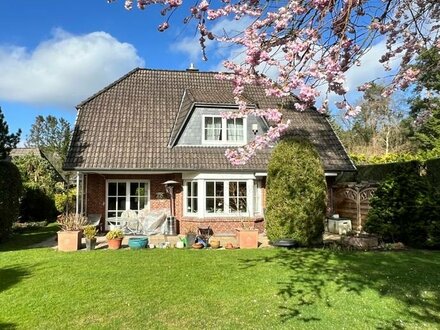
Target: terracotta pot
114, 244
69, 240
215, 244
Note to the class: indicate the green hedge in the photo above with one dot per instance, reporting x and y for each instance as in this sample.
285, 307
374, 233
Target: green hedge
296, 193
36, 205
10, 192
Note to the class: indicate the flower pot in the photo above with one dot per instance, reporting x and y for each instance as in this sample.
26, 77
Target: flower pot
247, 238
215, 244
90, 244
114, 244
69, 240
137, 243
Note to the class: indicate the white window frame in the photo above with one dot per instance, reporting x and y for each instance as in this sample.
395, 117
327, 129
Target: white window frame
224, 130
127, 193
201, 182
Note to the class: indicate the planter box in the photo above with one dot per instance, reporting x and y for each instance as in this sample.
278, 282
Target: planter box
247, 238
69, 240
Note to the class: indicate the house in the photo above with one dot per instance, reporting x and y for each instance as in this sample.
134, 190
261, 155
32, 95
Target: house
153, 126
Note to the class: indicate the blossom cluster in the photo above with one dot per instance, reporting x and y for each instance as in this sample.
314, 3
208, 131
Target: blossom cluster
305, 45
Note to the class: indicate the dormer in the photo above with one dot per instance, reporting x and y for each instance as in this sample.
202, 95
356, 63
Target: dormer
199, 121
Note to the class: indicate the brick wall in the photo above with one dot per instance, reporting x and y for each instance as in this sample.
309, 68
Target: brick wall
160, 200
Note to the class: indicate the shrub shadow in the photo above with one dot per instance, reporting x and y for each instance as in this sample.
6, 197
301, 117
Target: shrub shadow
409, 277
12, 275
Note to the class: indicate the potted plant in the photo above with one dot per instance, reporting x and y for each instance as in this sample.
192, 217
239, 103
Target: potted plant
69, 237
247, 236
114, 239
190, 237
90, 235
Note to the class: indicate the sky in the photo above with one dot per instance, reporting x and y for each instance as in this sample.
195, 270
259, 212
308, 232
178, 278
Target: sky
55, 54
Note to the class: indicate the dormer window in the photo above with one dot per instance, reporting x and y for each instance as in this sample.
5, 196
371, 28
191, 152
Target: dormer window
218, 130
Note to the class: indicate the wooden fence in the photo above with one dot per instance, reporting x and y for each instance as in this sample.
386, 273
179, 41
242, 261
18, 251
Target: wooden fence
352, 201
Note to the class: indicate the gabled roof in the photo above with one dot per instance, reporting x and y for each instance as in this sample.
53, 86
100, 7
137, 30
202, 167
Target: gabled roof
133, 124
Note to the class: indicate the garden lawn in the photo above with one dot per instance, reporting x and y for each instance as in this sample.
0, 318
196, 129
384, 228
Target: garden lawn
218, 289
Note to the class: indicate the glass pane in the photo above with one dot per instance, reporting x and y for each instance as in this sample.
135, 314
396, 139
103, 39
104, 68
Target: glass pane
220, 207
111, 214
195, 186
218, 134
112, 189
208, 122
121, 203
122, 190
242, 189
219, 189
112, 203
133, 203
143, 202
232, 189
118, 214
134, 188
210, 205
189, 204
233, 205
195, 207
209, 188
189, 185
217, 122
242, 204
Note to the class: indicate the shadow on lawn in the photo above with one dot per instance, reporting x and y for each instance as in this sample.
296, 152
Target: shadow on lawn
11, 276
409, 277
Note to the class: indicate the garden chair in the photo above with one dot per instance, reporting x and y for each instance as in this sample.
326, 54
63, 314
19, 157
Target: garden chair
94, 220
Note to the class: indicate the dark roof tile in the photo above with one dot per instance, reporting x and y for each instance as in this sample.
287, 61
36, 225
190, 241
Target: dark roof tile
132, 123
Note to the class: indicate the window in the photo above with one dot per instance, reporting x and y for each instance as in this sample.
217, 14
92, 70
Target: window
192, 197
215, 201
126, 195
237, 197
210, 196
221, 130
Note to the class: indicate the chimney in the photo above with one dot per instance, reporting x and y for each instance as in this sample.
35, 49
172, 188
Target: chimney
192, 68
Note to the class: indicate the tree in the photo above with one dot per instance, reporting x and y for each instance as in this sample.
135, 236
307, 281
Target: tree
299, 46
379, 129
52, 136
7, 141
425, 106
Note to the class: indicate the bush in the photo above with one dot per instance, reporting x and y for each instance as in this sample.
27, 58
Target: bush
404, 209
10, 192
296, 193
65, 201
37, 206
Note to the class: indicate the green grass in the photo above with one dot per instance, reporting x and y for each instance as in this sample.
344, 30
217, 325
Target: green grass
219, 289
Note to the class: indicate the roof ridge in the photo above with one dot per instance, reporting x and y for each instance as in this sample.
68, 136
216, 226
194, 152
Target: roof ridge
182, 71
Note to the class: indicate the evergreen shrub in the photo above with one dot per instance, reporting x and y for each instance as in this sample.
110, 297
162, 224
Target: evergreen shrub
10, 192
296, 193
36, 205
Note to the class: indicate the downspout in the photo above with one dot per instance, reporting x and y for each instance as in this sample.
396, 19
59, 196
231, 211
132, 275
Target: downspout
77, 194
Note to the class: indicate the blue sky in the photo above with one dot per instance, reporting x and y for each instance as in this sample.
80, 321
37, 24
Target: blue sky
54, 54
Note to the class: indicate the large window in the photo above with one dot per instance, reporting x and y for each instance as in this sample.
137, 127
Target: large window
221, 130
126, 195
208, 196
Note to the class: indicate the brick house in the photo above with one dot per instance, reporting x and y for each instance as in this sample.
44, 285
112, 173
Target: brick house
151, 126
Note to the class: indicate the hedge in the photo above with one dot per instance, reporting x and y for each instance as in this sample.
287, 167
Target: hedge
10, 192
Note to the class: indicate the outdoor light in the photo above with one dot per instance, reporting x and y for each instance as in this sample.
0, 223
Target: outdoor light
255, 128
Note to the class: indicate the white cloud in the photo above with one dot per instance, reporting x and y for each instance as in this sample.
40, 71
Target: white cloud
65, 69
217, 52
